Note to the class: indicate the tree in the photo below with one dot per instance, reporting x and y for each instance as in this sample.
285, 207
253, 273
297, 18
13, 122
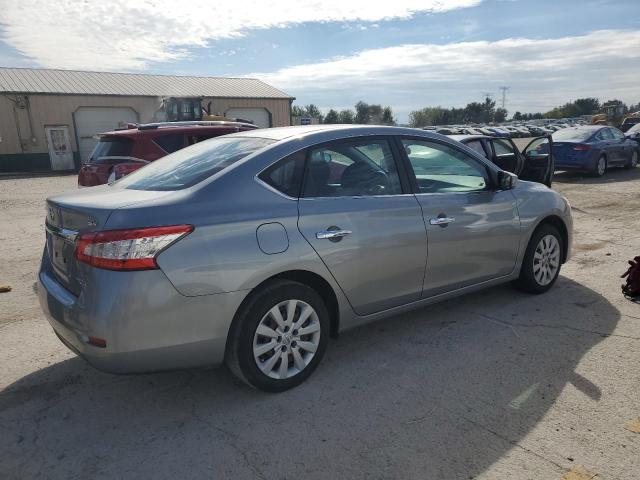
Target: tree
310, 110
587, 106
634, 108
517, 116
488, 110
387, 116
346, 116
500, 115
581, 106
313, 111
474, 112
362, 113
332, 117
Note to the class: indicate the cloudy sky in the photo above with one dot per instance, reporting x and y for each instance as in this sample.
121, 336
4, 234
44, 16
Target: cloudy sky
404, 53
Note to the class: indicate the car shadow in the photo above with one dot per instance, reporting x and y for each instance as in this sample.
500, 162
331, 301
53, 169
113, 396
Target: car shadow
441, 392
612, 175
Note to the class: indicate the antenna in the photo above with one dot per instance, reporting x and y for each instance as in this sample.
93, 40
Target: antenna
504, 95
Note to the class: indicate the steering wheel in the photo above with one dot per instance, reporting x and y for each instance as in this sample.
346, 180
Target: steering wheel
378, 183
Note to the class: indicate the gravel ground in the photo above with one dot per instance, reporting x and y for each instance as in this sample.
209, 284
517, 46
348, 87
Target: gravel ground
494, 385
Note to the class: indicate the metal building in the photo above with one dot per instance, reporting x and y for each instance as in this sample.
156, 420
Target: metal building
48, 118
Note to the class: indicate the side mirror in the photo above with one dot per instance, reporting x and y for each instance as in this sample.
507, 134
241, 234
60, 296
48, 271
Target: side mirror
506, 180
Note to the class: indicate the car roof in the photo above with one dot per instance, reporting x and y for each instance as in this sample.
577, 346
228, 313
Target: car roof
282, 133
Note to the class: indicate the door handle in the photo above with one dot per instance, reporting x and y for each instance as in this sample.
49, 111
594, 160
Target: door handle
332, 234
443, 221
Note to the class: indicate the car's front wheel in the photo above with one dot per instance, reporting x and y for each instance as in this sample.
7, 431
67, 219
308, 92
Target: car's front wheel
633, 162
601, 167
542, 261
280, 336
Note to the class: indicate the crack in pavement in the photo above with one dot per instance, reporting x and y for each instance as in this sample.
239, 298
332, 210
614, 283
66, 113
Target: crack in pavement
557, 327
231, 441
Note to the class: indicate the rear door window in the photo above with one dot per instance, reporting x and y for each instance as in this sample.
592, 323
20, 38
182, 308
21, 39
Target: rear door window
286, 174
170, 143
111, 147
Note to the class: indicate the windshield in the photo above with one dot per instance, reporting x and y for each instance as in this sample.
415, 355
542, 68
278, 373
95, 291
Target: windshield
576, 133
193, 164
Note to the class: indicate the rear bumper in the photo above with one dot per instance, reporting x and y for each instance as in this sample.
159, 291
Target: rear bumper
147, 324
570, 162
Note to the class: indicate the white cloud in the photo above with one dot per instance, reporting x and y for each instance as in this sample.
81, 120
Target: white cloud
541, 73
127, 35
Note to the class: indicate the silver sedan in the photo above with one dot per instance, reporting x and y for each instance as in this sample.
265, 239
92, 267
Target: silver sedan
254, 249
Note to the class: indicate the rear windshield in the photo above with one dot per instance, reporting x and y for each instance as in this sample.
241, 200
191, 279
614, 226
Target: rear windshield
193, 164
111, 147
576, 133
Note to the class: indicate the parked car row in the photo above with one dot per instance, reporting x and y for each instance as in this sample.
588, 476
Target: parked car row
588, 148
518, 130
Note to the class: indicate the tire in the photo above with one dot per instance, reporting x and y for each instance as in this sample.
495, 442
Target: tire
633, 163
256, 355
601, 167
544, 252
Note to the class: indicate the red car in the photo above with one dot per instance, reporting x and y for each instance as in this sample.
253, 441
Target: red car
122, 151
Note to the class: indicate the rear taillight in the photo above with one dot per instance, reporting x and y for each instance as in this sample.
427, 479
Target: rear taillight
581, 148
134, 249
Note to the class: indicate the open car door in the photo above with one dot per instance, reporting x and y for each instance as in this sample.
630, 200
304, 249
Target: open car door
539, 164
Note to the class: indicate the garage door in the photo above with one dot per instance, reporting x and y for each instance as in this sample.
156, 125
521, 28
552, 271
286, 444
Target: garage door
90, 121
259, 116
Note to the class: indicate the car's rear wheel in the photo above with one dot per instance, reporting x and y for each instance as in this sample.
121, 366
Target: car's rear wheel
601, 167
280, 336
633, 162
542, 261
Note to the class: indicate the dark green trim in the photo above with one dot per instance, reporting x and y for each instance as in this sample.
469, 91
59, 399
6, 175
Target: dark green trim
29, 162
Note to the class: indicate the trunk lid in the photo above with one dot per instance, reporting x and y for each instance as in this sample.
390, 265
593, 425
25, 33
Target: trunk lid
565, 153
72, 214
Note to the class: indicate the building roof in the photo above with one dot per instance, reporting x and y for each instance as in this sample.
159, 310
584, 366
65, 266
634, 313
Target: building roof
72, 82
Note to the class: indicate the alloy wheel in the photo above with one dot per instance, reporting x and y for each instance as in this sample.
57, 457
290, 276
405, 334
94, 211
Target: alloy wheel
634, 159
546, 260
286, 339
602, 166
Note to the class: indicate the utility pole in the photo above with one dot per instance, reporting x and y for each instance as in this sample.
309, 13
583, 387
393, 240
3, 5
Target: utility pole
504, 95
